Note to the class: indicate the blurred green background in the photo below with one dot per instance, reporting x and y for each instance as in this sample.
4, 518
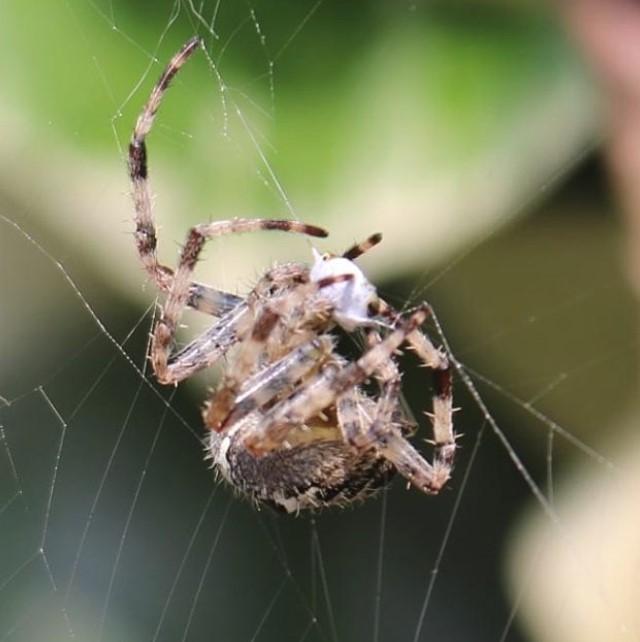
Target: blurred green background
465, 132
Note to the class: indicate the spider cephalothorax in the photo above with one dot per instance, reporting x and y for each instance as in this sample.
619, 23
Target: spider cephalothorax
290, 423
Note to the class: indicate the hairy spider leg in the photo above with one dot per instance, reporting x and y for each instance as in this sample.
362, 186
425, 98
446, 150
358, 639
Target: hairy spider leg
205, 350
389, 379
166, 326
360, 248
213, 343
145, 234
202, 297
256, 341
207, 299
350, 407
322, 391
248, 357
277, 378
429, 478
444, 439
385, 435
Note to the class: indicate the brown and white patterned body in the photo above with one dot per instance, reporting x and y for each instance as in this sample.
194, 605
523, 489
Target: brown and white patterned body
290, 424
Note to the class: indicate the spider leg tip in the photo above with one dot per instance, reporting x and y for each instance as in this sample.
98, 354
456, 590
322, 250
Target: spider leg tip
192, 43
319, 232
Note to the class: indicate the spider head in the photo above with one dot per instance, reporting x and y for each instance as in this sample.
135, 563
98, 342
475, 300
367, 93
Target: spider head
354, 298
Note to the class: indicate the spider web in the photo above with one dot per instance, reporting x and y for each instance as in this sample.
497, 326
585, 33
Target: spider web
112, 526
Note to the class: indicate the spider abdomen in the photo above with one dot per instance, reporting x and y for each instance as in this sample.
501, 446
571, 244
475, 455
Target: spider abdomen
310, 475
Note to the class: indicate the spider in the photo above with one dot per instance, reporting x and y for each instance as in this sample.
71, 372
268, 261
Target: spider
293, 423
